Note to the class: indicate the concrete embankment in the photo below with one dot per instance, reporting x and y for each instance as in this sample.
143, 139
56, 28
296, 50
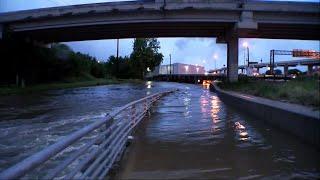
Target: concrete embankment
301, 121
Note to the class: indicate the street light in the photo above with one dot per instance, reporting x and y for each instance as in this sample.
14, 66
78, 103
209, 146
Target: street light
170, 63
246, 45
215, 57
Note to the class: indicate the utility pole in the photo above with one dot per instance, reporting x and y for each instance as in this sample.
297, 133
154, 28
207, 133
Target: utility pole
117, 49
244, 57
170, 63
248, 55
272, 61
117, 56
215, 64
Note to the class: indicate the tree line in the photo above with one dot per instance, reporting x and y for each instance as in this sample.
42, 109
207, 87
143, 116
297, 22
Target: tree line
32, 64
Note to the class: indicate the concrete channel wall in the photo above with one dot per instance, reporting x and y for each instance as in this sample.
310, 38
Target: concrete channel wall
298, 120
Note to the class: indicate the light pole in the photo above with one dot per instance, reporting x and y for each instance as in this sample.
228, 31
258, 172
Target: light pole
245, 45
117, 56
215, 56
117, 49
170, 63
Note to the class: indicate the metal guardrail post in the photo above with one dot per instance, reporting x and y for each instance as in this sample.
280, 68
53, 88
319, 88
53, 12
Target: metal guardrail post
133, 112
145, 106
108, 123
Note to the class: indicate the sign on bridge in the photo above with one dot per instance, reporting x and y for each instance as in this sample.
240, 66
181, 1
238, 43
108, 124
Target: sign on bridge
305, 53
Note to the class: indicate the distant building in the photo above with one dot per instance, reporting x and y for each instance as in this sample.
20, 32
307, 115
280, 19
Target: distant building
178, 68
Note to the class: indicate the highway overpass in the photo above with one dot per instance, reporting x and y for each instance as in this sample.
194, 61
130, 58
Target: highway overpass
285, 64
225, 19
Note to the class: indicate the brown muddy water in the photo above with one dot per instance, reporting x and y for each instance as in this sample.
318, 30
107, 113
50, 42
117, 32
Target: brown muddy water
191, 134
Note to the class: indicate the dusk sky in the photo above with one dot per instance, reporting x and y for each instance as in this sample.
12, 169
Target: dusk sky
185, 50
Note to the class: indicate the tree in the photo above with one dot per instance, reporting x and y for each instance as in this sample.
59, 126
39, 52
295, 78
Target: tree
294, 71
276, 72
145, 54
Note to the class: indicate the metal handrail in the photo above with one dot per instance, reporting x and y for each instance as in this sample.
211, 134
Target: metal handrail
98, 162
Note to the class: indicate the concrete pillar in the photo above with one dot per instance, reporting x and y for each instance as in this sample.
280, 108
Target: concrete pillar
310, 69
285, 70
247, 21
1, 31
232, 59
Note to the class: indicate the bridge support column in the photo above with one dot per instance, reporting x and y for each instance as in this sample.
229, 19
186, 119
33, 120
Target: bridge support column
309, 70
1, 31
232, 59
285, 70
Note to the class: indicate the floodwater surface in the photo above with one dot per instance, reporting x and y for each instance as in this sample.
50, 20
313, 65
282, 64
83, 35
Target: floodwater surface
29, 123
191, 134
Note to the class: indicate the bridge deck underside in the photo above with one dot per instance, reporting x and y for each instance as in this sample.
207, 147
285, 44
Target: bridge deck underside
129, 30
169, 29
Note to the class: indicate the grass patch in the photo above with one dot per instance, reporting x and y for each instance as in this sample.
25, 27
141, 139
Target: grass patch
72, 82
304, 91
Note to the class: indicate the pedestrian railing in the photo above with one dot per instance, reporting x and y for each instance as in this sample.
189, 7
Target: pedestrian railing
95, 157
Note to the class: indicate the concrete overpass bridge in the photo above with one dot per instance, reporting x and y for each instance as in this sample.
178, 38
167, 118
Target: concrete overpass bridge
225, 19
285, 64
188, 78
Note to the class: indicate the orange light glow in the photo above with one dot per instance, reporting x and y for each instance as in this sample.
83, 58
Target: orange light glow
206, 83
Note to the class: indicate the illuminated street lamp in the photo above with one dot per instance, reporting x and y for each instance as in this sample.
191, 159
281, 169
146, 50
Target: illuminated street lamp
246, 45
215, 57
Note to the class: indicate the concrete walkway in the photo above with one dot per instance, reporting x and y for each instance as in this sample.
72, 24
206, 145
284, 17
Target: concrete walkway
295, 108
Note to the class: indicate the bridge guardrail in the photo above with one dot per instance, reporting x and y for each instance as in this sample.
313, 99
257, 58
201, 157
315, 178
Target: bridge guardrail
96, 156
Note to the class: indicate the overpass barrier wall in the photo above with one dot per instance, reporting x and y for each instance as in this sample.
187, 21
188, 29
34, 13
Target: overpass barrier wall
88, 153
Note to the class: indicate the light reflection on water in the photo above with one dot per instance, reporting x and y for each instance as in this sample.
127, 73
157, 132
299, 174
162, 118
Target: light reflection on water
193, 135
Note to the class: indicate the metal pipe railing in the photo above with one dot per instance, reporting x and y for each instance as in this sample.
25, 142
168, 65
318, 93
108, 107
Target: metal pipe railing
111, 142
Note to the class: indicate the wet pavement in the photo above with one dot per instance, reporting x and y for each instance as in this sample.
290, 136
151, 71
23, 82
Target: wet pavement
190, 135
